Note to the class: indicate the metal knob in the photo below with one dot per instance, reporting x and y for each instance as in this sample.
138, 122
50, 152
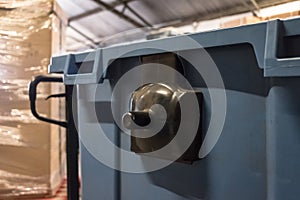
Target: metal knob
140, 118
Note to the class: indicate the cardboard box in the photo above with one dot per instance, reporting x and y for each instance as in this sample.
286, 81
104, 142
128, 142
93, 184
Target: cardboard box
32, 153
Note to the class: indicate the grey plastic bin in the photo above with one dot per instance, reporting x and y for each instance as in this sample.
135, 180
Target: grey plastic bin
258, 153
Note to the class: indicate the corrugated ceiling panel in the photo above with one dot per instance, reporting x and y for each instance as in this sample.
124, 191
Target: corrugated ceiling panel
169, 10
76, 7
104, 24
70, 8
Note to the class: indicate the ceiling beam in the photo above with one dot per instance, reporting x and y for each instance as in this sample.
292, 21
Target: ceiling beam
251, 8
119, 14
98, 9
93, 43
137, 15
85, 14
255, 4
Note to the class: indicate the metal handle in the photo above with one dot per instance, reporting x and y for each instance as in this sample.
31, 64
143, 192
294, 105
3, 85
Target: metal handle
139, 118
32, 97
